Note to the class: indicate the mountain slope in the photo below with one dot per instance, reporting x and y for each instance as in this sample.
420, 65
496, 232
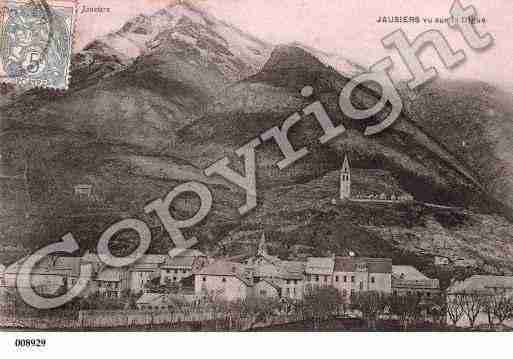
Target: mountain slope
154, 104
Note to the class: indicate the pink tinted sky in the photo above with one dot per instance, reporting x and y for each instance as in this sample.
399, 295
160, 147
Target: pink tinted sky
344, 27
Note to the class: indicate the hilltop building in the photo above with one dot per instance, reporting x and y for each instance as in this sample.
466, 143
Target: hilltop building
382, 190
345, 180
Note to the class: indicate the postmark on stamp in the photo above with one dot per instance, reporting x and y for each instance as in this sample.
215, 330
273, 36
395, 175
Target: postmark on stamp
36, 40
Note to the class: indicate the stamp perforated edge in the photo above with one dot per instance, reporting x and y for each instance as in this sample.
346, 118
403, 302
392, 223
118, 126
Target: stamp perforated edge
74, 5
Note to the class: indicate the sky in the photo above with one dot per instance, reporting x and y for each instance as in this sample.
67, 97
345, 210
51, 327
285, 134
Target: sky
344, 27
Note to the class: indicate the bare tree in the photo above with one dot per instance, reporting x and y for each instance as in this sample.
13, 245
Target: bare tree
473, 304
320, 303
454, 308
371, 304
502, 307
406, 308
488, 308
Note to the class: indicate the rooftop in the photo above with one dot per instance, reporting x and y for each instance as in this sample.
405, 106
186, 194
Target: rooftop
354, 264
407, 272
482, 283
320, 265
110, 275
225, 268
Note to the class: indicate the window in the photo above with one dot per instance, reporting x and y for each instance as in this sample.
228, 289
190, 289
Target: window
287, 291
184, 271
345, 278
263, 293
288, 281
336, 278
176, 271
204, 279
344, 292
316, 278
352, 278
373, 280
223, 280
174, 278
428, 294
309, 277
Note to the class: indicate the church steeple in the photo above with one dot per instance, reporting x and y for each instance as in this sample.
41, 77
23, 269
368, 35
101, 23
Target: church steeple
262, 251
345, 180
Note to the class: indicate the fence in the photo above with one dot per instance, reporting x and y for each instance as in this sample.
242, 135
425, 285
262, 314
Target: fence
98, 319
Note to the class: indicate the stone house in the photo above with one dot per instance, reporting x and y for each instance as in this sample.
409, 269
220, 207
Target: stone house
319, 271
355, 274
227, 279
180, 264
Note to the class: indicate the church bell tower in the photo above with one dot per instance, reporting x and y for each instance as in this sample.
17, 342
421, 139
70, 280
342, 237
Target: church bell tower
345, 180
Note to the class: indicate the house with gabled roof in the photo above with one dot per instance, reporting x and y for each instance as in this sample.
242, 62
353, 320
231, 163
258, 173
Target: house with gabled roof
319, 271
44, 277
180, 263
229, 279
144, 270
486, 284
354, 274
111, 282
409, 280
287, 276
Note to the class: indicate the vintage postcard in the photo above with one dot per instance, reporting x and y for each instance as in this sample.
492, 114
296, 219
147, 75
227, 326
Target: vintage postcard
248, 165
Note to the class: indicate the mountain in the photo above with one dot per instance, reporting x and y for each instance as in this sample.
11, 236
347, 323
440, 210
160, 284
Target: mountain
155, 103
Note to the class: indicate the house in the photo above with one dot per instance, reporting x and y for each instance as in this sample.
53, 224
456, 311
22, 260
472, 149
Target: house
281, 278
152, 301
319, 271
484, 286
180, 264
68, 268
353, 274
43, 277
408, 280
111, 282
144, 270
2, 280
228, 279
490, 284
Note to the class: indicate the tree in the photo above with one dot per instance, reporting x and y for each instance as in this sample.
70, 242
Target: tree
502, 307
406, 308
255, 309
454, 308
473, 304
320, 303
371, 304
215, 302
436, 307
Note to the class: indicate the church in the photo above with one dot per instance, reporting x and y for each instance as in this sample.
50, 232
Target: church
373, 185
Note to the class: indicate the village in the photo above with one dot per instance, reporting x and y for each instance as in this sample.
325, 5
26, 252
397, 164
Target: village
188, 278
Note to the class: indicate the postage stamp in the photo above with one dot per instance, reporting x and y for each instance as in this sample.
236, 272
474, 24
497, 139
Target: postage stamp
36, 42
